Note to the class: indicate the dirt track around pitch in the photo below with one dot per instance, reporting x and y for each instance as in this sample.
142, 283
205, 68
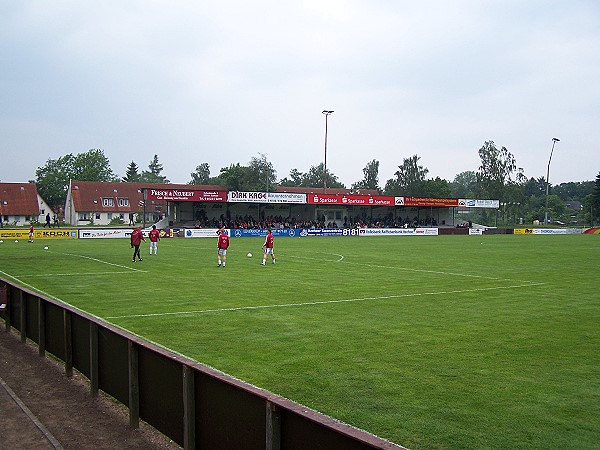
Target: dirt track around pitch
43, 409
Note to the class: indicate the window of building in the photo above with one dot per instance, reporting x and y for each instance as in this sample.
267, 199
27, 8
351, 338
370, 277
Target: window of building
109, 216
84, 216
107, 202
98, 216
122, 201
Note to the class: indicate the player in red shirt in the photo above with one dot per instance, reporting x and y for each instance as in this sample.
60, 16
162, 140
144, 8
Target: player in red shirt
31, 232
154, 236
136, 239
268, 248
222, 246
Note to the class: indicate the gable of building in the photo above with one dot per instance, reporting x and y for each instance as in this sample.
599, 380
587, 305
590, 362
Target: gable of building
19, 199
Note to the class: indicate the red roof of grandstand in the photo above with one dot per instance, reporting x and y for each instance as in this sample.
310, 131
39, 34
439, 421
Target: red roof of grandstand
19, 199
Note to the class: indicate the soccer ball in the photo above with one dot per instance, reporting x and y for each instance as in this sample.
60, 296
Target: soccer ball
1, 242
249, 255
16, 242
45, 248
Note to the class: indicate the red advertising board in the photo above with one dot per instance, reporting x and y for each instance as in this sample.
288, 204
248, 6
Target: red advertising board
361, 200
187, 196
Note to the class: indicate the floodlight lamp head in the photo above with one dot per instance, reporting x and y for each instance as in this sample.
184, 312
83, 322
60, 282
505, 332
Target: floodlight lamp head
327, 112
555, 139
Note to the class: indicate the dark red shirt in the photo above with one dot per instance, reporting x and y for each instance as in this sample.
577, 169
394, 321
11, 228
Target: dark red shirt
269, 241
137, 237
154, 235
223, 242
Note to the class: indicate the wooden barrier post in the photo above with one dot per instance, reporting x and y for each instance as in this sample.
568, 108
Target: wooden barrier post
41, 327
189, 409
94, 382
68, 343
23, 306
273, 427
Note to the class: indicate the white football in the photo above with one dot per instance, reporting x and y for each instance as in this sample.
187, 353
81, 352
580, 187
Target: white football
1, 242
249, 255
45, 248
16, 242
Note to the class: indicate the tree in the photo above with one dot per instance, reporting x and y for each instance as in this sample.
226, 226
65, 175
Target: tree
574, 190
132, 174
261, 174
436, 187
234, 177
92, 165
371, 177
152, 175
52, 180
295, 179
496, 170
595, 198
314, 178
201, 175
409, 178
464, 185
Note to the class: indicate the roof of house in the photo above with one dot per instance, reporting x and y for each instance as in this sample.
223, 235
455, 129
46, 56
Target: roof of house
331, 191
89, 195
17, 199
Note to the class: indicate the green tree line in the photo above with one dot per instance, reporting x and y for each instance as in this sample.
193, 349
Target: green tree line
498, 177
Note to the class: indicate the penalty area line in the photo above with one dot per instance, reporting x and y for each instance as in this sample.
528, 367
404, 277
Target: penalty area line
326, 302
100, 261
79, 273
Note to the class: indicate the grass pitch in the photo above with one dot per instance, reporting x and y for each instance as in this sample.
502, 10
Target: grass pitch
430, 342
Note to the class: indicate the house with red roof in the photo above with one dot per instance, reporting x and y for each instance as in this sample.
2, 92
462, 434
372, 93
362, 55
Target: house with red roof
21, 204
104, 203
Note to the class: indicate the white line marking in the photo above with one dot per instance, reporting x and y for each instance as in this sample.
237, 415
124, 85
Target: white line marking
33, 288
76, 274
410, 269
341, 257
100, 261
363, 299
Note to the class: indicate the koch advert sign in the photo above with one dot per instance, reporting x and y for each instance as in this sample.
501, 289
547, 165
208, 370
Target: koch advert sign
361, 200
186, 196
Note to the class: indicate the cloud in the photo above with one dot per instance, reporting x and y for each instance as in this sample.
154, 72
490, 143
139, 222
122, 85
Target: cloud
221, 82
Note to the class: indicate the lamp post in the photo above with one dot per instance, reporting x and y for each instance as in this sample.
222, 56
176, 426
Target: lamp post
554, 141
325, 168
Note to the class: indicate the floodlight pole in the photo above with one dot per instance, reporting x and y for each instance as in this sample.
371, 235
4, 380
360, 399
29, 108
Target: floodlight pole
325, 167
554, 141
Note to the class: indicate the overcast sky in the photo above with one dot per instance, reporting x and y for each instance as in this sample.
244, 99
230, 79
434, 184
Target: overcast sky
223, 81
